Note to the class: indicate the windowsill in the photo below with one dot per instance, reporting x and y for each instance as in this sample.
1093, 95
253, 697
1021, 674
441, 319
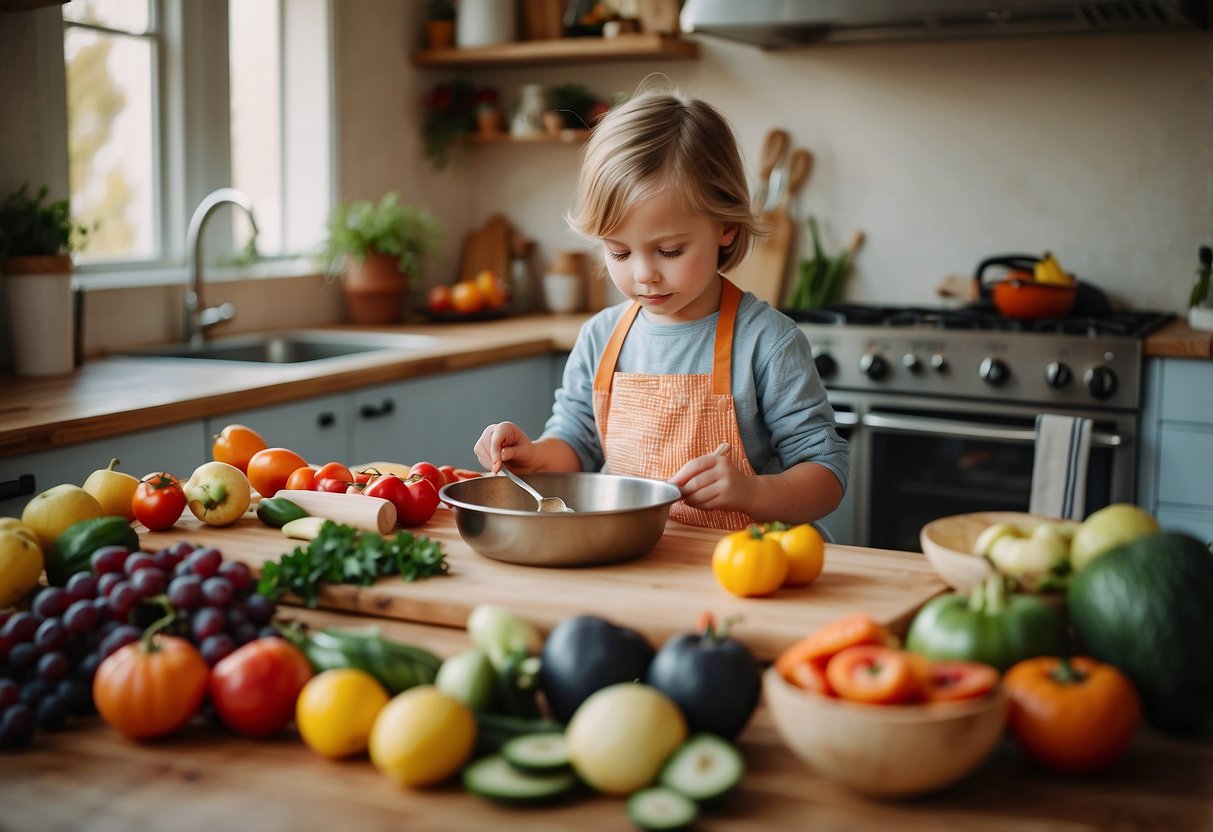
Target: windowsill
133, 277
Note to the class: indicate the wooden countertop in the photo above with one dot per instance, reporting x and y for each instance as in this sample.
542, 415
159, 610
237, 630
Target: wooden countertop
89, 778
119, 394
1177, 339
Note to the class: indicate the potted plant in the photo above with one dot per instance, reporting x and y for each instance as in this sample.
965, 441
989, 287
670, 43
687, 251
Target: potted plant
440, 24
449, 115
490, 121
379, 248
37, 237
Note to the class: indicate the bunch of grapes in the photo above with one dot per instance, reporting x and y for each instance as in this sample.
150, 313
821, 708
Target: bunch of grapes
50, 652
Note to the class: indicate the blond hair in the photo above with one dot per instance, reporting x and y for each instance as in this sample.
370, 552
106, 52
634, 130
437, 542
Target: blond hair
664, 142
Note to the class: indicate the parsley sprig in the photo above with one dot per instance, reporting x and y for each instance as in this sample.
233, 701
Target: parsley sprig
343, 554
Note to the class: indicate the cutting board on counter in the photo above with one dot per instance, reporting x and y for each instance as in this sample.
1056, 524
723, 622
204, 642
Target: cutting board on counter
660, 594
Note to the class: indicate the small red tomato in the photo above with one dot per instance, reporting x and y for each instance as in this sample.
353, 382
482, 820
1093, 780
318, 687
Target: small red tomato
335, 471
430, 472
439, 299
158, 501
422, 504
301, 479
333, 485
365, 475
949, 680
448, 474
254, 688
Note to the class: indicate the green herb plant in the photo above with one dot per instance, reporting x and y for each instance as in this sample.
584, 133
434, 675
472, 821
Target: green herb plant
407, 232
819, 278
342, 554
30, 226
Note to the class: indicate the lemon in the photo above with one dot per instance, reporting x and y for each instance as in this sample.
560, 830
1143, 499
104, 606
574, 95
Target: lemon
52, 511
422, 736
336, 709
20, 561
114, 490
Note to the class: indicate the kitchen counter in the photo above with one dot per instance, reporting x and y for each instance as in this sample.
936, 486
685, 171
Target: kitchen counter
89, 778
1177, 339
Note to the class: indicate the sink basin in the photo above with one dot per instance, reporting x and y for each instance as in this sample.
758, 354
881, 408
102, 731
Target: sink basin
286, 347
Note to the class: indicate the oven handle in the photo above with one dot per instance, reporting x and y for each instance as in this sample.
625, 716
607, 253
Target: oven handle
970, 430
846, 418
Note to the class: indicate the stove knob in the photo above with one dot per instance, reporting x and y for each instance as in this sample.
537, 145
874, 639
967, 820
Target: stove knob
1101, 382
910, 362
994, 371
826, 365
1058, 375
938, 363
874, 366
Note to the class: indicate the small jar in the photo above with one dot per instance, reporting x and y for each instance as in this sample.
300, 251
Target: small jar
528, 118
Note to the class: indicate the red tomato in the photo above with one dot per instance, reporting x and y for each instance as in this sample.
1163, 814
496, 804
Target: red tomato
269, 469
254, 688
332, 484
415, 499
301, 479
158, 501
334, 471
236, 445
430, 472
873, 674
439, 299
960, 680
448, 474
366, 475
148, 689
467, 474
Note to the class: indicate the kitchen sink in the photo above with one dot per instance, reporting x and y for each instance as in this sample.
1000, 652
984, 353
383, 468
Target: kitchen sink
286, 347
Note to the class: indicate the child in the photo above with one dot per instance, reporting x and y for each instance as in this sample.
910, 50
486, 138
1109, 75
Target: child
654, 385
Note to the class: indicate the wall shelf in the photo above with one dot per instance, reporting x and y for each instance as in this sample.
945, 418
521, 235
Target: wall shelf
567, 136
629, 47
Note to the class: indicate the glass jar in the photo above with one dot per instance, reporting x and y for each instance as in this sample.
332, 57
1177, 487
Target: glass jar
528, 118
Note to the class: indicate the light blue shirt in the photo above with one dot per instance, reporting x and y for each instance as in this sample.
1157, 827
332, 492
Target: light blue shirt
782, 411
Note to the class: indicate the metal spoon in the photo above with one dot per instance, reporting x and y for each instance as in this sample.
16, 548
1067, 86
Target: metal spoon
548, 504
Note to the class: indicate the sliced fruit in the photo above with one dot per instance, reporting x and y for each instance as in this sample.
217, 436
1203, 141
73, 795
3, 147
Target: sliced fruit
704, 768
537, 753
659, 808
494, 778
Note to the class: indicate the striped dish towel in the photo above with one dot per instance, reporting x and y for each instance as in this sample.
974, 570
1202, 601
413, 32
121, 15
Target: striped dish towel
1059, 470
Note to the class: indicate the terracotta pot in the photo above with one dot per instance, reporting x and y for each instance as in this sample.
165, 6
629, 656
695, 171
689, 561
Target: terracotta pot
374, 289
440, 34
490, 122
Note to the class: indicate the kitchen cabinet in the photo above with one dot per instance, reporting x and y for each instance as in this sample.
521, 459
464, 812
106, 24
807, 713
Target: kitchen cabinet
1175, 480
178, 449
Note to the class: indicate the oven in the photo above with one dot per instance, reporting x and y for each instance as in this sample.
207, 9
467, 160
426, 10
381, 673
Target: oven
940, 409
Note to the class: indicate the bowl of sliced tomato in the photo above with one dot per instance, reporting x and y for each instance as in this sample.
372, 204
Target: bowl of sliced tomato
878, 719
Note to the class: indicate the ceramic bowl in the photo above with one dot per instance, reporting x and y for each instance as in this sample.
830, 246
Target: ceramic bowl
886, 750
949, 544
614, 518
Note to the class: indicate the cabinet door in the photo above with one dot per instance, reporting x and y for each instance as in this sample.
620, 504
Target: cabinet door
317, 429
439, 418
178, 449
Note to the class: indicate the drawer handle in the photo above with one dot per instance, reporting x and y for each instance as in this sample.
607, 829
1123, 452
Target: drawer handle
370, 411
20, 487
326, 420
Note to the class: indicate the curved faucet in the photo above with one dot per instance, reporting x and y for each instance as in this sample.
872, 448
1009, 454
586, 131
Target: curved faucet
199, 316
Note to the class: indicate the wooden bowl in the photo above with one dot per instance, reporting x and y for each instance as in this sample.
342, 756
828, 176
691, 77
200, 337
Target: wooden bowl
886, 750
949, 546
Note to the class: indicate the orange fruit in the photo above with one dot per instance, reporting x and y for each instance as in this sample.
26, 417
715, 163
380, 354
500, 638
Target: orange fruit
467, 297
236, 444
491, 288
269, 469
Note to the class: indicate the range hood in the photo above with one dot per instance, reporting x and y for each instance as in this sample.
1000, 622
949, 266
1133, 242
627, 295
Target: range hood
774, 24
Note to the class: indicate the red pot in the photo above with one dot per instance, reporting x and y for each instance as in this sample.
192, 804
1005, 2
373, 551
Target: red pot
1018, 295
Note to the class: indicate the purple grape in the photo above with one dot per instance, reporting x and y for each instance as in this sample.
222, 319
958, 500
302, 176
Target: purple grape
33, 692
82, 586
51, 635
77, 694
182, 549
109, 559
236, 615
50, 603
206, 561
217, 592
269, 631
10, 694
52, 713
185, 592
139, 561
106, 582
122, 635
149, 581
23, 655
122, 598
236, 572
53, 666
164, 560
216, 647
16, 726
6, 644
81, 617
87, 667
208, 621
21, 626
259, 609
243, 633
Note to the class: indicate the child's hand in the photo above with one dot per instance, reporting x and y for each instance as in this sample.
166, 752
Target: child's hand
504, 442
710, 482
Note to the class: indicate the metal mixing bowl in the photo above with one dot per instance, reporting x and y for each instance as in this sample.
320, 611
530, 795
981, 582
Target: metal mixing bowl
614, 518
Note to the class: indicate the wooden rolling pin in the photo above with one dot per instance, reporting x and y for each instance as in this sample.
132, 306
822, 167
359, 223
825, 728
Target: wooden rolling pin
358, 510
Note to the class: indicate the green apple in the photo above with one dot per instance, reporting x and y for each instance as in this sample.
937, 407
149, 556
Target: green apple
56, 508
1108, 528
619, 738
218, 493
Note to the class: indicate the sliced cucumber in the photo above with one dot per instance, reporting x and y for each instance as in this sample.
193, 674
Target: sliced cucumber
537, 753
658, 809
495, 779
703, 768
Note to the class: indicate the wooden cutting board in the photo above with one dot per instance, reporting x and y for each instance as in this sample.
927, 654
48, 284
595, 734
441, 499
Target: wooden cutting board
487, 249
764, 272
660, 594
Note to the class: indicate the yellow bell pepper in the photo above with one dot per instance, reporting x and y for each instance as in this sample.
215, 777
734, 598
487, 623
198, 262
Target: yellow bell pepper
805, 550
748, 564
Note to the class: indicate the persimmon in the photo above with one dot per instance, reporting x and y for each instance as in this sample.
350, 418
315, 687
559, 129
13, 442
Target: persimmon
828, 639
236, 444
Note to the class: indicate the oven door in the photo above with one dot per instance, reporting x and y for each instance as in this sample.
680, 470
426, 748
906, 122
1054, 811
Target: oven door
922, 463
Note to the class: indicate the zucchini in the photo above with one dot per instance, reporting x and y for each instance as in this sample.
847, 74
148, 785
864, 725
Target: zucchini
704, 768
493, 778
660, 808
276, 512
398, 667
75, 545
494, 730
537, 753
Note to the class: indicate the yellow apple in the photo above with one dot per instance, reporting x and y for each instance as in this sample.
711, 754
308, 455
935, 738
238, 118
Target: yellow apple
114, 490
52, 511
218, 493
1107, 528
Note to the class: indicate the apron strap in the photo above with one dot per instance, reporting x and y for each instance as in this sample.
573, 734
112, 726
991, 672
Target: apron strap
610, 354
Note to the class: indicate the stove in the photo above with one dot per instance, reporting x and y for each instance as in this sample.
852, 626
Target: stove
975, 352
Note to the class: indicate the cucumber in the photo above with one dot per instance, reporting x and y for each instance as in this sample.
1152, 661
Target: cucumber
493, 778
276, 512
704, 768
495, 730
537, 753
661, 808
75, 545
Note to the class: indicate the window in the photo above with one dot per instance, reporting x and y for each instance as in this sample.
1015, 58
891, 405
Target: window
148, 136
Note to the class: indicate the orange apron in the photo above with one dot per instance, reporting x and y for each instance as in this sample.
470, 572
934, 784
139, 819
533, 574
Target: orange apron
651, 425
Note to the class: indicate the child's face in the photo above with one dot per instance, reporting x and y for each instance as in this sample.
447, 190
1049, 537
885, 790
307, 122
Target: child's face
665, 256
